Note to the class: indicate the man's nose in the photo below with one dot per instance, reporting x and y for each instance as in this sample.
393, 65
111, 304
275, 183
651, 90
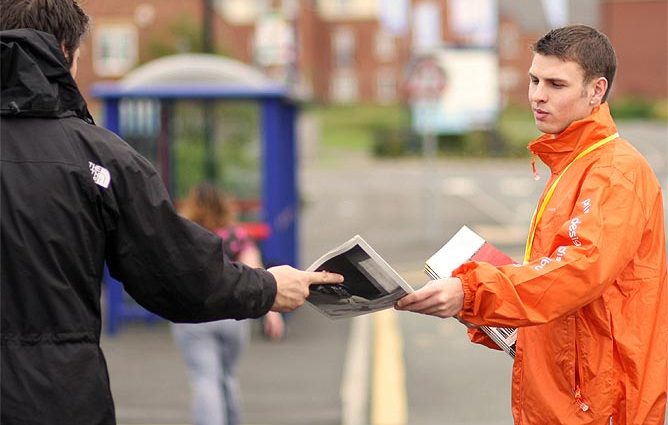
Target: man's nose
537, 93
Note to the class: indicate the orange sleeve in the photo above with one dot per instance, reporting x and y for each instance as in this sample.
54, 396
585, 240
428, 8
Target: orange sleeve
590, 247
477, 336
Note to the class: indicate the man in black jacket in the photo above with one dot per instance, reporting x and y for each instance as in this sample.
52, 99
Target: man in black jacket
75, 196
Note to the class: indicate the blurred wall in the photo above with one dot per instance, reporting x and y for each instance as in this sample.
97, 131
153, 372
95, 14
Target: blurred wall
639, 31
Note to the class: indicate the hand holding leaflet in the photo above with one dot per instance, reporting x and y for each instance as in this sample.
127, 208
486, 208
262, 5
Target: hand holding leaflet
292, 285
466, 245
369, 285
439, 297
444, 296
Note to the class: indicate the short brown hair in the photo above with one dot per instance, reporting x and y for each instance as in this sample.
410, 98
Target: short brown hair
65, 19
583, 45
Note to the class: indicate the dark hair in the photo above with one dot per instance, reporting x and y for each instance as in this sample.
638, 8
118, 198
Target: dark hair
63, 18
583, 45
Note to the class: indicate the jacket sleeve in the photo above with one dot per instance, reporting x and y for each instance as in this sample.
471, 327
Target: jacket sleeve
478, 336
169, 265
589, 250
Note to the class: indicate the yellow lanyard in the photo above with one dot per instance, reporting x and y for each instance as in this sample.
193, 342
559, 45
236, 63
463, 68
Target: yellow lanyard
538, 213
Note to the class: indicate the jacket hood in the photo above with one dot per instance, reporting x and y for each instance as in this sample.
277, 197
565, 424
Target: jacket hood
35, 78
557, 150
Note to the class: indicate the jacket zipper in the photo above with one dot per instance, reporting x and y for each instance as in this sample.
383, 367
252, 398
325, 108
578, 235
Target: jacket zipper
577, 391
579, 399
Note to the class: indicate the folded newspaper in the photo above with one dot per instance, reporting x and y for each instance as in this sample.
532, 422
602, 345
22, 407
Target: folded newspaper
466, 245
369, 285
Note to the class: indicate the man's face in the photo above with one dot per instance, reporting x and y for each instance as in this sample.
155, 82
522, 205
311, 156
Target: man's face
557, 93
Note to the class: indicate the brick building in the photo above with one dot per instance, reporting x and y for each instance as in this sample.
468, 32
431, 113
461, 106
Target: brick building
359, 50
639, 31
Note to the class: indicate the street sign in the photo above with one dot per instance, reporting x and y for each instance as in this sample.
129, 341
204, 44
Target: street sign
426, 80
453, 91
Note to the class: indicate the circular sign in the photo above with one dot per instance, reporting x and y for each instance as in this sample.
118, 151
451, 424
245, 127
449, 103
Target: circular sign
426, 80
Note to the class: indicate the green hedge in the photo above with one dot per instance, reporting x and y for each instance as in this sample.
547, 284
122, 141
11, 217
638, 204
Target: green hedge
385, 130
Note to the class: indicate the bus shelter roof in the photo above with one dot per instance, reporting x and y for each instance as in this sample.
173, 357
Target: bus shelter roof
192, 76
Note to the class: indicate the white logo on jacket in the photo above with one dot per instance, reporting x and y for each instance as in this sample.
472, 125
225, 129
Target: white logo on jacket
561, 252
586, 205
101, 175
573, 231
543, 262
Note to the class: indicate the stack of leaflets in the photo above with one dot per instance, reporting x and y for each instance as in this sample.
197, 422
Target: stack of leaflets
466, 245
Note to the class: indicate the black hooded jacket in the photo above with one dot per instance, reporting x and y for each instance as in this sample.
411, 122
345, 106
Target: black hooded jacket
74, 196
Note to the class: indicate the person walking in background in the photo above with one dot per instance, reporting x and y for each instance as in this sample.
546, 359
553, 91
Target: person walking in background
75, 196
211, 350
590, 300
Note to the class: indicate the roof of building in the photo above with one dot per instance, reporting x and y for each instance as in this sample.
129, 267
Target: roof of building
192, 76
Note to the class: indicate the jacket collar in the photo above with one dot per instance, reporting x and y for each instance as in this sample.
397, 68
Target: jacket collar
558, 150
36, 80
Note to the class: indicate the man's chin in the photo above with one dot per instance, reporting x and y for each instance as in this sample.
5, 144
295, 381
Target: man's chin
546, 128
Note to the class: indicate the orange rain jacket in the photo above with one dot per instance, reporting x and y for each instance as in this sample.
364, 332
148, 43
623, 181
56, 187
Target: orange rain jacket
591, 305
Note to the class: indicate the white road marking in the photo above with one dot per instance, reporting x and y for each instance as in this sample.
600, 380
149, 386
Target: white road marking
355, 381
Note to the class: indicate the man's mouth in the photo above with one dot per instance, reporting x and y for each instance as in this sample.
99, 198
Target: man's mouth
540, 114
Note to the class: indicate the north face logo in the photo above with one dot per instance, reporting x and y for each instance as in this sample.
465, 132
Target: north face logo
101, 175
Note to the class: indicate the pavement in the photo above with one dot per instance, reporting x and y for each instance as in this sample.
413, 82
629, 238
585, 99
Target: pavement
325, 372
295, 381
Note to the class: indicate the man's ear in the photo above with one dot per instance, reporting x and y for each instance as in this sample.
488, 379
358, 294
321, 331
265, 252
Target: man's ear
600, 87
66, 53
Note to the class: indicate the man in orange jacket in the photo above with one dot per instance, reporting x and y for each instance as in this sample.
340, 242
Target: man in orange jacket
590, 300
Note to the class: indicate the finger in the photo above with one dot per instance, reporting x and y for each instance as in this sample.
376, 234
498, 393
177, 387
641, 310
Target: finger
405, 302
421, 305
324, 277
409, 300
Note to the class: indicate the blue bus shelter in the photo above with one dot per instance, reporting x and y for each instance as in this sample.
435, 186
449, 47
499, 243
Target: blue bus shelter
203, 77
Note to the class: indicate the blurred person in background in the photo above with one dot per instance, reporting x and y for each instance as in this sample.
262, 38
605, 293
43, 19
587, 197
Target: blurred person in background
211, 350
75, 196
590, 301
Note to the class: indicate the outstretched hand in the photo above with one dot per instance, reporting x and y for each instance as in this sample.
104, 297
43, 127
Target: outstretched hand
440, 298
292, 285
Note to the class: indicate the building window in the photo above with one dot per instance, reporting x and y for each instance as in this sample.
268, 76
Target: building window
346, 10
343, 7
385, 46
344, 48
274, 41
427, 26
290, 9
386, 86
344, 86
115, 49
263, 7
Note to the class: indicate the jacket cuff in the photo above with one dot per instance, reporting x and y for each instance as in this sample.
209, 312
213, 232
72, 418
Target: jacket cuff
270, 289
466, 273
